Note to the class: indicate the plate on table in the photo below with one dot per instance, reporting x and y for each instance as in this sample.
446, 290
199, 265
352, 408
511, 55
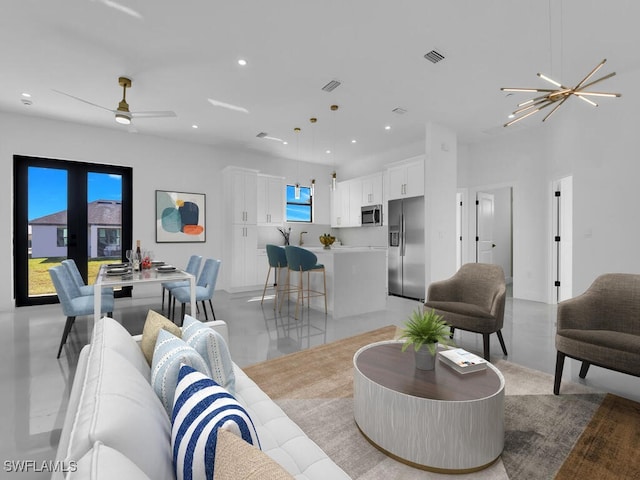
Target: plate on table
118, 271
166, 268
117, 265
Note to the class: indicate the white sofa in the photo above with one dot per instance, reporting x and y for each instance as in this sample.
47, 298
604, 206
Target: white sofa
116, 427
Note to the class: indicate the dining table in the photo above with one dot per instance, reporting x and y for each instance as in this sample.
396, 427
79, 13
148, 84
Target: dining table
122, 275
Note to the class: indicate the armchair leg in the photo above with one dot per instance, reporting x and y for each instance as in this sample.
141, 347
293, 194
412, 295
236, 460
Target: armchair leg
485, 342
204, 307
584, 369
504, 348
558, 378
65, 333
451, 330
181, 314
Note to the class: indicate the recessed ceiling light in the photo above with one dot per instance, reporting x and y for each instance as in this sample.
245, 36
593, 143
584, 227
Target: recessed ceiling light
285, 143
354, 141
26, 95
387, 127
242, 62
194, 126
328, 151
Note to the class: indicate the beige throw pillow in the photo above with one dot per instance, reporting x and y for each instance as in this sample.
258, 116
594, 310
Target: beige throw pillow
236, 459
152, 326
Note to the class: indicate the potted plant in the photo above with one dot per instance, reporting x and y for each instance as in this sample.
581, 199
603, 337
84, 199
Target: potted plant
425, 329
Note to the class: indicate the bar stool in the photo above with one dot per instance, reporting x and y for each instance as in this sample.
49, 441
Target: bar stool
277, 260
302, 260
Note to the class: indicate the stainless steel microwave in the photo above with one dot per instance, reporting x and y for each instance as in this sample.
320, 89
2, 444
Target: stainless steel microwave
371, 216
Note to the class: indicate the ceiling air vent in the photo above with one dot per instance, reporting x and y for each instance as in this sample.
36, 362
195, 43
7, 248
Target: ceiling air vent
399, 110
331, 86
433, 56
262, 134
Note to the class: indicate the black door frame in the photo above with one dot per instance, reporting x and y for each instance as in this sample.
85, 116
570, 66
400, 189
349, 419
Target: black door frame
77, 247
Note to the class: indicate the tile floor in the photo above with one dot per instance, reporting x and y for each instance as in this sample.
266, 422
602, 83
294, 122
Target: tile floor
36, 385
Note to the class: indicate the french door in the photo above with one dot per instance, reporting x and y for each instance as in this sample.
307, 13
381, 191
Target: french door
62, 210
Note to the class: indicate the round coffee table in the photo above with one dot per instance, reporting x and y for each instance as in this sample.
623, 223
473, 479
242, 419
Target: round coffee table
437, 420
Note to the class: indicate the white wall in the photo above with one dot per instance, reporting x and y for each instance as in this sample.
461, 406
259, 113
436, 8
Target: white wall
157, 164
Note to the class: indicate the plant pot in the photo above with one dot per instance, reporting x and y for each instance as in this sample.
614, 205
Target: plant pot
424, 359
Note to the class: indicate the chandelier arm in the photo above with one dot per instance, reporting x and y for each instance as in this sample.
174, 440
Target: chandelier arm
598, 94
532, 105
591, 74
532, 90
597, 81
555, 108
528, 114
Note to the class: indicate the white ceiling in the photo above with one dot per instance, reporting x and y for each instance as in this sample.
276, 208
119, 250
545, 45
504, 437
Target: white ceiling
180, 53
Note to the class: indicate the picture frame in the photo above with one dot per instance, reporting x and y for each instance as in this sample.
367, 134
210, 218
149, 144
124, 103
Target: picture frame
180, 217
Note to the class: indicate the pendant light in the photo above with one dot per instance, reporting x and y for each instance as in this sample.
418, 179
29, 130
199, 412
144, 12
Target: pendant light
313, 121
296, 190
334, 179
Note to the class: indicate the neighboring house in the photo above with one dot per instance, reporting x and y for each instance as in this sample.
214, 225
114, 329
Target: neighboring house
49, 233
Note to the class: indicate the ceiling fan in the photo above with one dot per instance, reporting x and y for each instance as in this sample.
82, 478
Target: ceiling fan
122, 114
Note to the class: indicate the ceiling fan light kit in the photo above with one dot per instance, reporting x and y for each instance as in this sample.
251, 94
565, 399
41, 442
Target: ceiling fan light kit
557, 96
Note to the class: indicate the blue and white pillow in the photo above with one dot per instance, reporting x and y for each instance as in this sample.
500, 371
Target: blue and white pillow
213, 348
169, 354
201, 407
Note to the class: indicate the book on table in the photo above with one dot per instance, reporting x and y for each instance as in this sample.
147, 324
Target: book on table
461, 360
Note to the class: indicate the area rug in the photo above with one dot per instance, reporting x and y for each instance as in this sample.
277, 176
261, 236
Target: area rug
315, 388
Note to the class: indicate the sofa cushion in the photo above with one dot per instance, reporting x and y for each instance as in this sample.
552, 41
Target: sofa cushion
213, 348
113, 335
238, 460
200, 408
152, 325
105, 463
170, 353
119, 408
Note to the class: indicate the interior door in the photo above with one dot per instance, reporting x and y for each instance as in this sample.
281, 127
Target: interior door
484, 227
65, 210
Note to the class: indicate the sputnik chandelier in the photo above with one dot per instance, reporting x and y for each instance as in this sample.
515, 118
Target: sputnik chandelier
558, 95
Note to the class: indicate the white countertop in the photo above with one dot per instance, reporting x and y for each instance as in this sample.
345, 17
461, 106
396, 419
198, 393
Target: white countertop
335, 249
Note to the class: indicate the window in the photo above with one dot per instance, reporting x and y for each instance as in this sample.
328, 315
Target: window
61, 237
299, 209
109, 242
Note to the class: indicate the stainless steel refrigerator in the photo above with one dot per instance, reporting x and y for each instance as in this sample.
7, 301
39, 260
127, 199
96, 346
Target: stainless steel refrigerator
406, 248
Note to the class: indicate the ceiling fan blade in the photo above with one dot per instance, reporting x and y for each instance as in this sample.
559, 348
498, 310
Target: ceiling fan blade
168, 113
84, 101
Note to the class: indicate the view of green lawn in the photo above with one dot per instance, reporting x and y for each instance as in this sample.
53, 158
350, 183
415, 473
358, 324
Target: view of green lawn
40, 281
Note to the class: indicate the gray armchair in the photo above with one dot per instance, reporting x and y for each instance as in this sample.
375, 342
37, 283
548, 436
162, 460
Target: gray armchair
601, 327
473, 300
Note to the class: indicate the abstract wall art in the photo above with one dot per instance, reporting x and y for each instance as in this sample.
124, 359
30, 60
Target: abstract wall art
180, 217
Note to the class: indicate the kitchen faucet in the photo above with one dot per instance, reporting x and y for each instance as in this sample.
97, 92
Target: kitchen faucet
301, 233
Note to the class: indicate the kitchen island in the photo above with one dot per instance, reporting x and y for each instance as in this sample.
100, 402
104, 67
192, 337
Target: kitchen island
356, 280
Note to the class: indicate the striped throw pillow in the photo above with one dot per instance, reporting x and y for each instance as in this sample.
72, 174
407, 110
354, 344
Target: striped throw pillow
201, 407
213, 348
170, 353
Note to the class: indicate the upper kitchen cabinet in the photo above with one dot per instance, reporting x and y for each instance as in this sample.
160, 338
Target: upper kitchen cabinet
271, 200
347, 203
241, 197
372, 189
406, 179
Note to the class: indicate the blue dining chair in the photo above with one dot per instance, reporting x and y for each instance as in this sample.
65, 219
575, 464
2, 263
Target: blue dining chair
205, 288
277, 260
302, 260
193, 267
73, 303
85, 289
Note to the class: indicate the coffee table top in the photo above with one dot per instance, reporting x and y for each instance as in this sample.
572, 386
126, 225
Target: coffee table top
385, 364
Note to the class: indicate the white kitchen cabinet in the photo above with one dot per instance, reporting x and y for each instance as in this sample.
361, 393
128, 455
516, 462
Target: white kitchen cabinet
271, 200
240, 230
347, 203
372, 189
243, 269
242, 197
406, 179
